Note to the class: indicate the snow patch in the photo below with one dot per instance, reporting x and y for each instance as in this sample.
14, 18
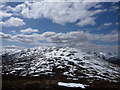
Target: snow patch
76, 85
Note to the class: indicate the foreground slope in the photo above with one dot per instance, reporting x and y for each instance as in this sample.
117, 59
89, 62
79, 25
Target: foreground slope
63, 64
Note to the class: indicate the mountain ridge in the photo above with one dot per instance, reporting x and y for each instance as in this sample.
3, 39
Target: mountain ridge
52, 61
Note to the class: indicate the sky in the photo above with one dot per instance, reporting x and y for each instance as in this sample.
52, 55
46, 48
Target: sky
89, 26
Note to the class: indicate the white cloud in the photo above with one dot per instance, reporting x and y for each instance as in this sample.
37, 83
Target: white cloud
117, 23
98, 6
5, 36
98, 11
107, 24
87, 21
114, 8
31, 39
13, 22
29, 30
13, 31
60, 12
75, 39
4, 14
70, 37
62, 0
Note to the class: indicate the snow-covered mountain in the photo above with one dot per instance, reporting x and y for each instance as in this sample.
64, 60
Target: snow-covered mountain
110, 57
72, 63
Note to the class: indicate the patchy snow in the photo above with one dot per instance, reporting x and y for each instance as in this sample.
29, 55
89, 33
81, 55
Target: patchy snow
74, 63
18, 68
36, 75
75, 85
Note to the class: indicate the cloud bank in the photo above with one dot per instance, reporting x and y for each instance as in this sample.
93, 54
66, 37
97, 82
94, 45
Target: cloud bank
74, 39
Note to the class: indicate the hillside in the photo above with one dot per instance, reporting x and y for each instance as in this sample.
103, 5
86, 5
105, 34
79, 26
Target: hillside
66, 67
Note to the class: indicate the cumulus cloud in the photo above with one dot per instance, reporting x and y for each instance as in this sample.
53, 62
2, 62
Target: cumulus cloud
31, 39
107, 24
4, 14
5, 36
87, 21
60, 12
13, 22
82, 37
98, 11
29, 30
70, 37
79, 39
98, 6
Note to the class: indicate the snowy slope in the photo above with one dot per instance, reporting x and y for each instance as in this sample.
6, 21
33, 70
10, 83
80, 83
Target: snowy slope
55, 60
111, 57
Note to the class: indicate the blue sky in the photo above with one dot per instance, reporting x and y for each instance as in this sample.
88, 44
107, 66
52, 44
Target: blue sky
28, 24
